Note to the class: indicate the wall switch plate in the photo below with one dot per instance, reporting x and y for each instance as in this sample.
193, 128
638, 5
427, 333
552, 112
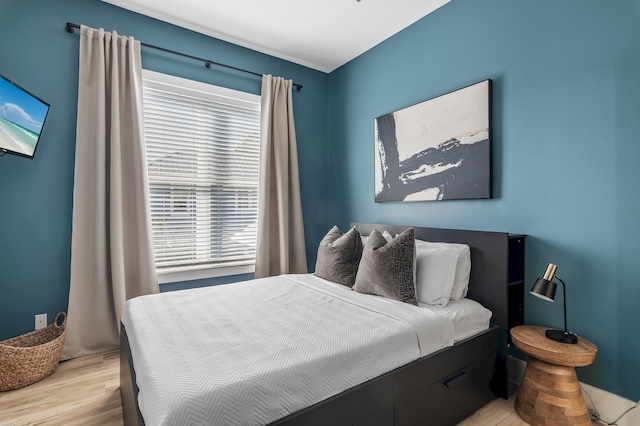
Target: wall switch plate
41, 321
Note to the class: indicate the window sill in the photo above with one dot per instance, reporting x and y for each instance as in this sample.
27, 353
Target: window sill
203, 273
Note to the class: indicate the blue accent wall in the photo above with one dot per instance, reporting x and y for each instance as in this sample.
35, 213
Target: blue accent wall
566, 150
36, 196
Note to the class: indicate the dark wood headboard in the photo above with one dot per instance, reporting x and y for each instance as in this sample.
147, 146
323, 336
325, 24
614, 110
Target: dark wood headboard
497, 262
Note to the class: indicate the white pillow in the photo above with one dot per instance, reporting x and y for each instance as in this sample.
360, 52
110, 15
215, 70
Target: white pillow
463, 273
462, 267
435, 273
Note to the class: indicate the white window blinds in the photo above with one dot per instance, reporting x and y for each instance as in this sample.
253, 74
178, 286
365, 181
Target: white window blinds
203, 153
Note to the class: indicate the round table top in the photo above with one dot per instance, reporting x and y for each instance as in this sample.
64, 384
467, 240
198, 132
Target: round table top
532, 340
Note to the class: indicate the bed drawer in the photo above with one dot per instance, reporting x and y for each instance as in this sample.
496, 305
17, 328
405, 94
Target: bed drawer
383, 418
440, 404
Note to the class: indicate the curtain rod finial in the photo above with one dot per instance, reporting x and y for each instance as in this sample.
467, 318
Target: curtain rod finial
69, 28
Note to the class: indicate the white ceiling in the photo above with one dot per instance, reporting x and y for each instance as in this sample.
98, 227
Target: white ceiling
320, 34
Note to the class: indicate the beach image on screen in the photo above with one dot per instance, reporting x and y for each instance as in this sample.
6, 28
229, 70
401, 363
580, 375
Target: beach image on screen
21, 118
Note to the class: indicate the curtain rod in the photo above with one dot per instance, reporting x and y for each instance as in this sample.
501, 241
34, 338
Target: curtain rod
207, 63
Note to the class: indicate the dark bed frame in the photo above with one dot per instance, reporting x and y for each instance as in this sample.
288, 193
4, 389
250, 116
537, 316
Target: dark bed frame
440, 389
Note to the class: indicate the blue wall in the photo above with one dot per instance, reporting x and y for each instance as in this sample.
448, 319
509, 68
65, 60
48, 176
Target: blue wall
36, 195
566, 149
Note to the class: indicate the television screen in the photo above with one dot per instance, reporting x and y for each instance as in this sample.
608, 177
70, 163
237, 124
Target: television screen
22, 116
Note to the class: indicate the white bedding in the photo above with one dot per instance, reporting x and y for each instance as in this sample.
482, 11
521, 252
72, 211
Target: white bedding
254, 352
467, 316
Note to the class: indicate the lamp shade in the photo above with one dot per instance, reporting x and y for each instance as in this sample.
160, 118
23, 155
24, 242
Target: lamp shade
544, 289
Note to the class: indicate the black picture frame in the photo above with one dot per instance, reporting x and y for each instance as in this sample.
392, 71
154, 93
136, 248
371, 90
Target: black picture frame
439, 149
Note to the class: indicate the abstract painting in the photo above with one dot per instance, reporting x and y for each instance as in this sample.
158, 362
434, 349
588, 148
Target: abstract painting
439, 149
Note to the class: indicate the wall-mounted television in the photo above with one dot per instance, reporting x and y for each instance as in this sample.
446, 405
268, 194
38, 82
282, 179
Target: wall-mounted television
22, 116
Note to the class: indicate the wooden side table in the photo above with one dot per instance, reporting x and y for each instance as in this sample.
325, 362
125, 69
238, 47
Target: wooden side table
550, 393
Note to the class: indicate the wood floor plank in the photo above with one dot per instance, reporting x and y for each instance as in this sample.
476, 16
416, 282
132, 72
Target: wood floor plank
498, 412
86, 391
82, 391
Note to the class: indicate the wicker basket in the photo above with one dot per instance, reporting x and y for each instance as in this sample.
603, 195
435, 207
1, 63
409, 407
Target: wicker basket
33, 356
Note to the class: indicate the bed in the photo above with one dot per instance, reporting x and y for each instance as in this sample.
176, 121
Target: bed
448, 378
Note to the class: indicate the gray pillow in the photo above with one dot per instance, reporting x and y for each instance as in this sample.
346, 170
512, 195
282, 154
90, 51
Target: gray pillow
386, 268
338, 256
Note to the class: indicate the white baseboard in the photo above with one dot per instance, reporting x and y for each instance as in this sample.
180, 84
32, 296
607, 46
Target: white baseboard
609, 406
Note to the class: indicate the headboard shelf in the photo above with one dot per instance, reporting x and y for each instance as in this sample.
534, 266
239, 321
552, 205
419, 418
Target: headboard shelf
497, 276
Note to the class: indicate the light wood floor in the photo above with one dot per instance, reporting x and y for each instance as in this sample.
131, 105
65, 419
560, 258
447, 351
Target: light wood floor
85, 391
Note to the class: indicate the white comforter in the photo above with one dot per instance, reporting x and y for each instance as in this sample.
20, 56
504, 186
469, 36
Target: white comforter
253, 352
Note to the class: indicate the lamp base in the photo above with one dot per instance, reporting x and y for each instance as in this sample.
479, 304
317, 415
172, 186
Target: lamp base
561, 336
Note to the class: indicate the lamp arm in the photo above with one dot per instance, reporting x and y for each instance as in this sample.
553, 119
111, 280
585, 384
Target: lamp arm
564, 300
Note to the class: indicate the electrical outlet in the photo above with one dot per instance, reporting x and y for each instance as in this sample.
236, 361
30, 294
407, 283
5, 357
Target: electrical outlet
41, 321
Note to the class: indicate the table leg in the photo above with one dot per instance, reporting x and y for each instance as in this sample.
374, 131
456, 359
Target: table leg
550, 395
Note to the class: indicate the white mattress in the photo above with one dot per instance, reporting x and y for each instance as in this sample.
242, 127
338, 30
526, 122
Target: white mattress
467, 316
254, 352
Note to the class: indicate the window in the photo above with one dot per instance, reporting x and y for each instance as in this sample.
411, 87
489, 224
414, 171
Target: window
203, 153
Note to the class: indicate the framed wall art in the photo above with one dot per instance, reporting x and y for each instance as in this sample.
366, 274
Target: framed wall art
439, 149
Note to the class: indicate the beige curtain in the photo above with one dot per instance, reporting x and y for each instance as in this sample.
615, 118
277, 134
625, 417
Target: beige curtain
111, 250
280, 245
